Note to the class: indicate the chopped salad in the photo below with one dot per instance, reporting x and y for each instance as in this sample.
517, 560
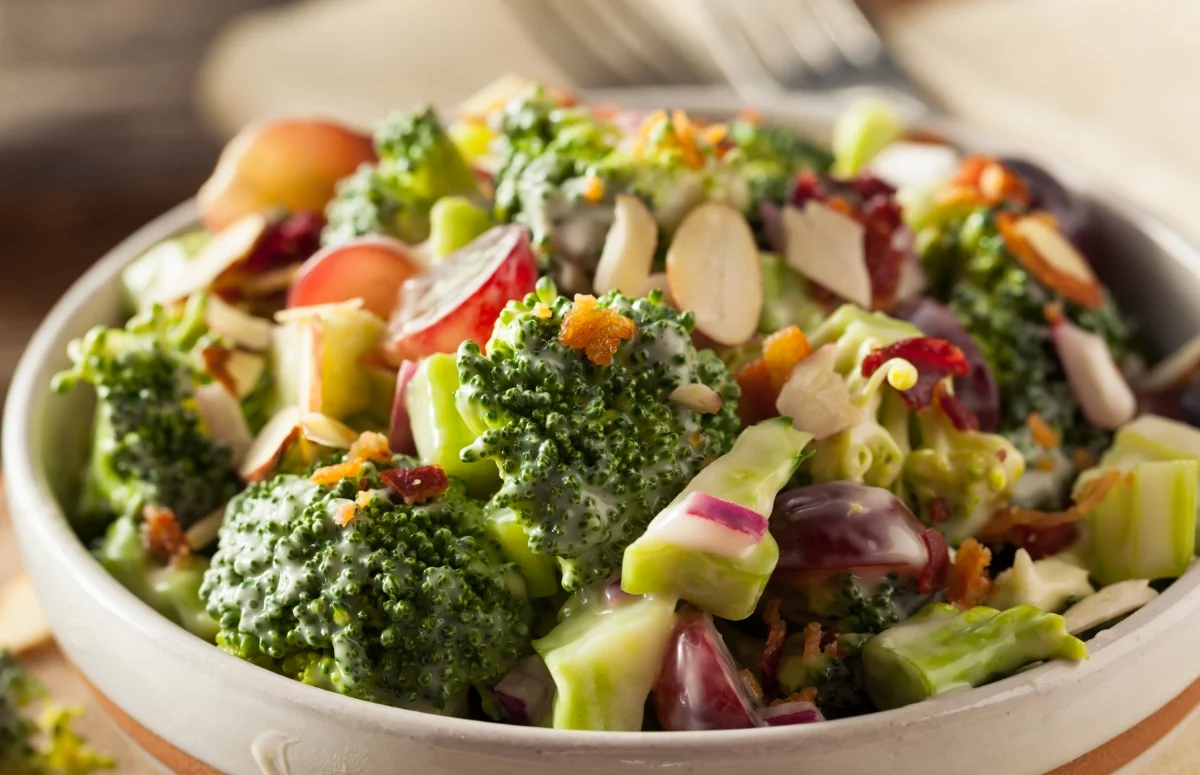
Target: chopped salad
566, 415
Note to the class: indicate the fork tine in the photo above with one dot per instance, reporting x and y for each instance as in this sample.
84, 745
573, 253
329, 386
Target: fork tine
771, 43
849, 30
733, 51
659, 55
617, 49
806, 34
543, 20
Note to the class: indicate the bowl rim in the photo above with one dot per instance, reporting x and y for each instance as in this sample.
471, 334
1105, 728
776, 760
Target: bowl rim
35, 505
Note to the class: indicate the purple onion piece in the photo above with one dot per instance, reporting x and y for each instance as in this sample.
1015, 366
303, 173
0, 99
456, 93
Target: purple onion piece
772, 225
788, 713
525, 693
709, 524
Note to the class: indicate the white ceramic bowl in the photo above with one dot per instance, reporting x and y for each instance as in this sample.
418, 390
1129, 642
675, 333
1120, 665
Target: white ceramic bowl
197, 710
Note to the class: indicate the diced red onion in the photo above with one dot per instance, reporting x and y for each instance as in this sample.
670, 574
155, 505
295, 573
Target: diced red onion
526, 692
787, 713
709, 524
400, 437
1096, 382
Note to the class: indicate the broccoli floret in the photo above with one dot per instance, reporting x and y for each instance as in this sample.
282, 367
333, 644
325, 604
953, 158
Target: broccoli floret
770, 157
49, 746
1003, 308
150, 445
418, 164
405, 605
589, 453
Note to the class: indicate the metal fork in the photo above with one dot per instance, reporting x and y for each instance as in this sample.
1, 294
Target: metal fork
763, 49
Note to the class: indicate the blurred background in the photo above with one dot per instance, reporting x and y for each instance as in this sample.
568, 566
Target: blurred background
113, 110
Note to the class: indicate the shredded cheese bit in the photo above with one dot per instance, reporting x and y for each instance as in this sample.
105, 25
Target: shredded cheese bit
685, 135
1043, 435
782, 351
593, 189
371, 446
337, 472
595, 330
969, 584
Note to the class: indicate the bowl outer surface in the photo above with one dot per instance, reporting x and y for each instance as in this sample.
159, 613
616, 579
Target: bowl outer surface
236, 718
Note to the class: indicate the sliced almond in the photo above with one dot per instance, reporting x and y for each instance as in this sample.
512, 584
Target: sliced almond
267, 283
224, 250
244, 370
1097, 384
205, 530
270, 444
828, 247
628, 248
242, 328
1174, 370
23, 625
1111, 602
713, 270
224, 420
326, 431
317, 310
913, 281
697, 397
817, 398
1042, 249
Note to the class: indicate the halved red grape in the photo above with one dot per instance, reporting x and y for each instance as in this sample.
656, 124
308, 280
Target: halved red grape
699, 686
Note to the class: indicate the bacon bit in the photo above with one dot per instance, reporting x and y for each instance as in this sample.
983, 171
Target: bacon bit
757, 402
1043, 435
371, 446
337, 472
808, 694
933, 576
812, 644
1083, 290
685, 134
938, 510
987, 181
934, 360
1002, 524
418, 484
595, 330
1043, 541
593, 189
751, 683
345, 514
962, 418
1083, 459
968, 583
216, 363
1053, 313
782, 350
162, 535
768, 660
1002, 455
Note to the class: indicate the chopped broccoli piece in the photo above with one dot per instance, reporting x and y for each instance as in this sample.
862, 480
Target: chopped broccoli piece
857, 605
139, 279
1145, 528
770, 157
49, 746
455, 221
860, 133
172, 589
589, 453
786, 300
418, 164
402, 605
605, 660
762, 460
150, 445
941, 649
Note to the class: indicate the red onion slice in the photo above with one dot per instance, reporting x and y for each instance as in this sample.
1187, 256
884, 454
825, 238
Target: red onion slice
400, 436
1097, 383
709, 524
787, 713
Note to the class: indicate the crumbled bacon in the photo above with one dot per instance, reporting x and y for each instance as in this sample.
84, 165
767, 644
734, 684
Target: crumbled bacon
345, 514
968, 583
955, 410
812, 643
782, 350
1008, 518
934, 360
808, 694
1043, 541
757, 401
371, 446
1082, 459
337, 472
162, 535
216, 363
933, 576
939, 512
768, 660
984, 180
417, 484
595, 330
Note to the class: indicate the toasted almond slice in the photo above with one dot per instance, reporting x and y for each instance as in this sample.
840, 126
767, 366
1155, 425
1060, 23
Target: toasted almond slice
817, 398
317, 310
628, 248
267, 283
1050, 257
224, 250
827, 247
205, 530
244, 370
245, 330
1174, 370
326, 431
713, 270
270, 444
224, 420
698, 397
1096, 382
23, 625
1111, 602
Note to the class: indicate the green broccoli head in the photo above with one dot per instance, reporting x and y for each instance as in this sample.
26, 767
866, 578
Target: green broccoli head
49, 746
770, 157
405, 605
590, 453
150, 444
418, 164
1003, 308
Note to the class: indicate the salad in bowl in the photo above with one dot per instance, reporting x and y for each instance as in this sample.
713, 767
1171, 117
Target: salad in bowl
571, 416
